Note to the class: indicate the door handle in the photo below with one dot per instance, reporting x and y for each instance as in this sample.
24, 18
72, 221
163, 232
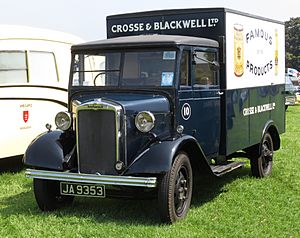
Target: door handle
220, 93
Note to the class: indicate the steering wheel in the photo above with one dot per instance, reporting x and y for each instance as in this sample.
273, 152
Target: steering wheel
95, 79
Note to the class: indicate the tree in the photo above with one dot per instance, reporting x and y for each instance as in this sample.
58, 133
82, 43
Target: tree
292, 43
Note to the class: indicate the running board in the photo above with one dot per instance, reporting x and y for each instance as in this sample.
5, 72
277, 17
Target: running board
219, 170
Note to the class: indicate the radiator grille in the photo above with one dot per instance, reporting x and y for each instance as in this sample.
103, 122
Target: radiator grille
97, 141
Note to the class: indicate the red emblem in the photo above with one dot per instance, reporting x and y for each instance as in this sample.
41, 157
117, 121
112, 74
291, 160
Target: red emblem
25, 116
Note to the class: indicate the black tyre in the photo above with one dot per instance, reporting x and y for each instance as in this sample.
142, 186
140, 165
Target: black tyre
261, 165
175, 190
48, 196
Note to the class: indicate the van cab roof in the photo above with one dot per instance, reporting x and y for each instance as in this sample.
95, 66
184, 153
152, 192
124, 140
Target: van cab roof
147, 41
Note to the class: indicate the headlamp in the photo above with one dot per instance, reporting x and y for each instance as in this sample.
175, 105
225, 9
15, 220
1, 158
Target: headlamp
63, 120
144, 121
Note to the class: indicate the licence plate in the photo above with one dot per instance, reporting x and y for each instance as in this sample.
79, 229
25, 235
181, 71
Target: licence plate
85, 190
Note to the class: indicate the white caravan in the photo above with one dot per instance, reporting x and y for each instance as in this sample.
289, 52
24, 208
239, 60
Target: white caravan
34, 72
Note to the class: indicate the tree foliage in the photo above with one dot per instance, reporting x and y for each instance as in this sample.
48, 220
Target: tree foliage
292, 43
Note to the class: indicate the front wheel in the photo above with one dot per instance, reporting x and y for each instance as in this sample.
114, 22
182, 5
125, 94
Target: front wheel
48, 196
261, 165
175, 190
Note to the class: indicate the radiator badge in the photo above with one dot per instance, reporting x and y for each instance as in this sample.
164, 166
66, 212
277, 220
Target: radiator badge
95, 105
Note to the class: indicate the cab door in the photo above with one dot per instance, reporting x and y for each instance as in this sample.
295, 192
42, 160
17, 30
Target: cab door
200, 101
206, 98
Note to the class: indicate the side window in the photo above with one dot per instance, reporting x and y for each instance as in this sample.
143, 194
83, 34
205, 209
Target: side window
204, 76
184, 70
13, 67
42, 67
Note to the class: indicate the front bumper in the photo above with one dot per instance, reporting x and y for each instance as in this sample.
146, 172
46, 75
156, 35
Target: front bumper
148, 182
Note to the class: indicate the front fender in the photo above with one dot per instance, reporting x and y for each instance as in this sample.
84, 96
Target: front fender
158, 158
46, 151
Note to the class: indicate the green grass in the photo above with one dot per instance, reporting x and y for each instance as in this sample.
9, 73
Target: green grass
235, 205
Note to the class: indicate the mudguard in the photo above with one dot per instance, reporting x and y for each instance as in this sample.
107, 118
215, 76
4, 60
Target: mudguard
272, 128
158, 158
46, 151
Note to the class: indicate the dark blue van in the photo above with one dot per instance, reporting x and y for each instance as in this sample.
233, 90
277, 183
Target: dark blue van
170, 94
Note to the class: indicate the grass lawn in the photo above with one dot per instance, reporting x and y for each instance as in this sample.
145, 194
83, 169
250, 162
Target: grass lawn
235, 205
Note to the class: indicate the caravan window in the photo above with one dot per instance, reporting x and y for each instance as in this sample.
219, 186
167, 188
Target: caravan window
42, 67
13, 67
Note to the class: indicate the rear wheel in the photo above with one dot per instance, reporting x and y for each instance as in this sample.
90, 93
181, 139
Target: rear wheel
261, 165
48, 196
175, 190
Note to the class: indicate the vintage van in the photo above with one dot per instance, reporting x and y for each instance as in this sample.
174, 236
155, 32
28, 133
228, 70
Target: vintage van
175, 93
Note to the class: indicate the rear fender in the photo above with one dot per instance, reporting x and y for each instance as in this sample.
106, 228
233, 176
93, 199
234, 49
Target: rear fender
272, 129
48, 151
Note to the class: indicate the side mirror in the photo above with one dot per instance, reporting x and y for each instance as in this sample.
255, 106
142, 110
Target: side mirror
213, 65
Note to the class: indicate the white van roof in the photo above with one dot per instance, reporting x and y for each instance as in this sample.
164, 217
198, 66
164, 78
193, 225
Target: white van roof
13, 32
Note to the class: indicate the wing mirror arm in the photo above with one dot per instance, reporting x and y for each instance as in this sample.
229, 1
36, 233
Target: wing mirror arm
215, 65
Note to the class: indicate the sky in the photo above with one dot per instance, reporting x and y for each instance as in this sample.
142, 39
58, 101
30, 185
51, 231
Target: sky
87, 18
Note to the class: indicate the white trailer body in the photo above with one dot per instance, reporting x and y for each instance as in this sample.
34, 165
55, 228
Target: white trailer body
34, 73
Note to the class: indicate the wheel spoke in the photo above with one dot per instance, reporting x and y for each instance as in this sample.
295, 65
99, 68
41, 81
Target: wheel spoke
181, 190
267, 152
267, 155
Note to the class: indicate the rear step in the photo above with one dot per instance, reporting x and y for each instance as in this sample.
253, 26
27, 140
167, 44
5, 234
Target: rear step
219, 170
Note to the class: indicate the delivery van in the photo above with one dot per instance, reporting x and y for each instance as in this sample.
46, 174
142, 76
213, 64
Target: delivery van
34, 72
171, 94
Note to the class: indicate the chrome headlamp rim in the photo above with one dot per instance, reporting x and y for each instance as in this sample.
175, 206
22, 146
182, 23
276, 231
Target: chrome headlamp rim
144, 121
63, 120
